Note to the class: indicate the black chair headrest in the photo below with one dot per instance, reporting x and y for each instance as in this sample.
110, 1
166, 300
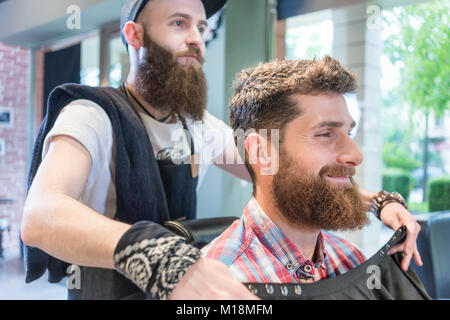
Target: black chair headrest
200, 232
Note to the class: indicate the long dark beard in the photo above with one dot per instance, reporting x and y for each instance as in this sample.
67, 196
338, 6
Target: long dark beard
169, 86
312, 201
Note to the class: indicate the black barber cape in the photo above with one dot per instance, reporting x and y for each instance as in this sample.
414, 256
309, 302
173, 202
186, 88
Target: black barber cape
139, 189
379, 278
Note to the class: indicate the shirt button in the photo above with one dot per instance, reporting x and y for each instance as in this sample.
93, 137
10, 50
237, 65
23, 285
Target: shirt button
307, 268
289, 266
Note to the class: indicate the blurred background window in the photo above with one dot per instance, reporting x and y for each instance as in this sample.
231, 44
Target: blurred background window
415, 88
118, 60
309, 35
90, 61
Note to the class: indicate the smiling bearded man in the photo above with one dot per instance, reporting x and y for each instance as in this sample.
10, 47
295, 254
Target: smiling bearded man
283, 234
308, 200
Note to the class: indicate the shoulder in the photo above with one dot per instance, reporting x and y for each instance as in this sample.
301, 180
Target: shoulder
72, 91
86, 122
87, 118
82, 113
230, 245
342, 250
84, 106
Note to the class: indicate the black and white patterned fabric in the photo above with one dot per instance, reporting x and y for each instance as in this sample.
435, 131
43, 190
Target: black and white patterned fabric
154, 262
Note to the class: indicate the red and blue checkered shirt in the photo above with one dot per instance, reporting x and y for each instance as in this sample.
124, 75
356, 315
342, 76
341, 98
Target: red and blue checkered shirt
255, 250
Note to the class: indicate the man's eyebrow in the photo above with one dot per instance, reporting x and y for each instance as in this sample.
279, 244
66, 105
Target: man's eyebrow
333, 124
188, 17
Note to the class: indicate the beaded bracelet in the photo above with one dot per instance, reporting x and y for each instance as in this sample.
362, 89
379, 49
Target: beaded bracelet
383, 198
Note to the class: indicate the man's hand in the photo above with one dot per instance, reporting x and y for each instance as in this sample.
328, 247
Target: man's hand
210, 279
394, 215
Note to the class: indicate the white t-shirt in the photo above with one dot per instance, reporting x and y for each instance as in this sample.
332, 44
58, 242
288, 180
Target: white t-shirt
89, 124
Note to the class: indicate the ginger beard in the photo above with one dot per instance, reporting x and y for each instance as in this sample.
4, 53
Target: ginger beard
168, 85
309, 200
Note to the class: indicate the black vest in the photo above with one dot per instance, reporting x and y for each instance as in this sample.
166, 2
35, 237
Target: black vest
139, 189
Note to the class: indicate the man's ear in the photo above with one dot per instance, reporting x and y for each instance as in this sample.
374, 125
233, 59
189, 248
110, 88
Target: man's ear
261, 154
134, 34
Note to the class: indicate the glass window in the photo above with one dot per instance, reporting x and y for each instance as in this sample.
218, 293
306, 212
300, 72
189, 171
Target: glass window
309, 35
416, 143
90, 62
118, 62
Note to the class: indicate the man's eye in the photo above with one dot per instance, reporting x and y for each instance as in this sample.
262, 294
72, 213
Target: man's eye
179, 23
325, 134
202, 30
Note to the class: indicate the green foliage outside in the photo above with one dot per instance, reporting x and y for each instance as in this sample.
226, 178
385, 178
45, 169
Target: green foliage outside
439, 193
418, 207
399, 156
420, 49
396, 179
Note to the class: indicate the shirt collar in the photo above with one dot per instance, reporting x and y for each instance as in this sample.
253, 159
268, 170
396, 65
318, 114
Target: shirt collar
271, 236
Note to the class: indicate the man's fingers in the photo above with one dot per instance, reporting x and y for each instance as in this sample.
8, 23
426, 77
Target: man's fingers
406, 259
408, 255
395, 249
410, 245
417, 257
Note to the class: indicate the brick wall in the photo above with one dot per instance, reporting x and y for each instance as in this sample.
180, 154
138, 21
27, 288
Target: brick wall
14, 93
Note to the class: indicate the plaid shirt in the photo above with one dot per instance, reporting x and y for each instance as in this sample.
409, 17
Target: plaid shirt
255, 250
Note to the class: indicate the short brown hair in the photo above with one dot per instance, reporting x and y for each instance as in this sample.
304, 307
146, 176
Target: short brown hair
262, 97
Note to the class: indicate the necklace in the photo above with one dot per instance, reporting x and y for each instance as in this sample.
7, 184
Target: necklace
142, 107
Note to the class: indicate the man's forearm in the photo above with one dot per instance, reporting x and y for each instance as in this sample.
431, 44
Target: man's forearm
152, 257
71, 231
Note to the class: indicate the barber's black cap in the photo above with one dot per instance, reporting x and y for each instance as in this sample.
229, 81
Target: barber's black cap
132, 8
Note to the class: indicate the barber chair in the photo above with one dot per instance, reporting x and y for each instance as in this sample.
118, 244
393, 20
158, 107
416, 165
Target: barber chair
432, 243
438, 234
200, 232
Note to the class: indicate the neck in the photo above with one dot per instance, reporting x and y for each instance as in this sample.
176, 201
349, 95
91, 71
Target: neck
303, 237
156, 113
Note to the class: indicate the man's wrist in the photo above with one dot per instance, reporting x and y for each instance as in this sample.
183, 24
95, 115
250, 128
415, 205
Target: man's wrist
382, 199
153, 258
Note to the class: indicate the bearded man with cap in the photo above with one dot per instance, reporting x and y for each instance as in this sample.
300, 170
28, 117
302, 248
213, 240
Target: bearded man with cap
107, 170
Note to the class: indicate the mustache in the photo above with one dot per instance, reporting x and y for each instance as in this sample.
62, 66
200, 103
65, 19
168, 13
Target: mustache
337, 171
192, 51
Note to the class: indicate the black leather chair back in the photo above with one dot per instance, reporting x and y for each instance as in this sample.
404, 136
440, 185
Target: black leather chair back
439, 238
433, 244
199, 232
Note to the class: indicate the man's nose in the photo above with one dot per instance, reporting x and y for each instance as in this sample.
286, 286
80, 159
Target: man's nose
194, 38
349, 154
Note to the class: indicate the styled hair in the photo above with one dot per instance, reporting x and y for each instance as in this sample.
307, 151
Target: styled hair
262, 94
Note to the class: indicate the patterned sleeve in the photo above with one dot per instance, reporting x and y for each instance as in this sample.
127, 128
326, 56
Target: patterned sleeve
154, 258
